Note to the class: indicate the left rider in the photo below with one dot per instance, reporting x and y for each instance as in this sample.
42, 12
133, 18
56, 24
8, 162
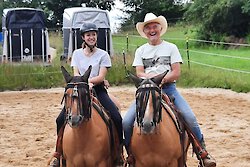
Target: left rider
100, 60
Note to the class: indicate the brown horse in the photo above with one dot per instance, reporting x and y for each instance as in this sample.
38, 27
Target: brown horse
156, 137
87, 140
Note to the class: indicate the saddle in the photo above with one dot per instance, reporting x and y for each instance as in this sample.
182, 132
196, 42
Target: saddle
184, 127
105, 115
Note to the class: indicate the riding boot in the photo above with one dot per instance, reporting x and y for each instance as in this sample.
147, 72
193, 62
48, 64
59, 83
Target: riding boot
55, 161
206, 159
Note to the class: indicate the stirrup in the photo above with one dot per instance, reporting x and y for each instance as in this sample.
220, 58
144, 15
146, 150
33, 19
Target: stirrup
208, 161
55, 162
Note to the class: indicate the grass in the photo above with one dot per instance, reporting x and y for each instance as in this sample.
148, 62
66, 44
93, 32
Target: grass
213, 55
27, 76
198, 76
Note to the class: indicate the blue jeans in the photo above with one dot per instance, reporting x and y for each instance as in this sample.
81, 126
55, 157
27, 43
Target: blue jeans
179, 102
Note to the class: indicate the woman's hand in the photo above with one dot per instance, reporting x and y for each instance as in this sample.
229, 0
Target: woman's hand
91, 85
106, 83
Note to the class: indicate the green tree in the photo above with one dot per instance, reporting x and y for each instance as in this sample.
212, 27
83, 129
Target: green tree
218, 19
56, 13
246, 7
172, 9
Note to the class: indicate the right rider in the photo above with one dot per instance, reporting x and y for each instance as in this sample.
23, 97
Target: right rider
156, 57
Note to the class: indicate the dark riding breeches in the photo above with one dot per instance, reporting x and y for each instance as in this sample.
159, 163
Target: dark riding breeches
60, 120
109, 105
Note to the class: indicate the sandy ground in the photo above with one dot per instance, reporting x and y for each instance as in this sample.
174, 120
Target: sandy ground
28, 130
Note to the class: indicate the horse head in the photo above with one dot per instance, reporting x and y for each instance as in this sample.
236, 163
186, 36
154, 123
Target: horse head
148, 102
77, 98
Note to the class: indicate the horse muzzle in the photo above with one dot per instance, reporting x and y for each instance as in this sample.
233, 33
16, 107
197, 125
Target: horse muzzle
148, 127
74, 120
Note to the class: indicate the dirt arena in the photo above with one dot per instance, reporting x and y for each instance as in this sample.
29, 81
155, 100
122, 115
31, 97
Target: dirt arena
28, 130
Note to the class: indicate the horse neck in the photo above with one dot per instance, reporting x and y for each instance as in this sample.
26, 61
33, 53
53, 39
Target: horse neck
87, 124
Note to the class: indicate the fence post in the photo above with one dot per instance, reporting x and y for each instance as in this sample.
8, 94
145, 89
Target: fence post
187, 52
127, 42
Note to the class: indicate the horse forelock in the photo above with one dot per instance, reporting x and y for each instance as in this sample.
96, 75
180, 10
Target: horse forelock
148, 103
77, 100
77, 79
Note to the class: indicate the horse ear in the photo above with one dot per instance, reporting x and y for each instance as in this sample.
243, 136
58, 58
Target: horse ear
135, 79
66, 75
157, 79
86, 75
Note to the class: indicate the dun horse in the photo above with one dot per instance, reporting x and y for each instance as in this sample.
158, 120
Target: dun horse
87, 139
156, 137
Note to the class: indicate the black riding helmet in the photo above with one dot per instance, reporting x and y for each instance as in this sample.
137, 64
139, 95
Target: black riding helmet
86, 27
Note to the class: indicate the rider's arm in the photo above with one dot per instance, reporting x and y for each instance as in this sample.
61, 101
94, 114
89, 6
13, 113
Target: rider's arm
174, 74
100, 78
140, 72
170, 77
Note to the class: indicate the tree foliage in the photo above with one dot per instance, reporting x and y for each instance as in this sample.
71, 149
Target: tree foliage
54, 8
57, 13
172, 9
220, 18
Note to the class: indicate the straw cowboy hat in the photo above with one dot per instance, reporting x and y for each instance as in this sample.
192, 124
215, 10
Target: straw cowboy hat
150, 18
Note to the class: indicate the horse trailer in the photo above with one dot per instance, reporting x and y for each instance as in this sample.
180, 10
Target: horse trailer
25, 36
74, 17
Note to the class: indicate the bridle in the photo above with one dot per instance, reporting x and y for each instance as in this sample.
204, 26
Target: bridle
146, 89
77, 97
